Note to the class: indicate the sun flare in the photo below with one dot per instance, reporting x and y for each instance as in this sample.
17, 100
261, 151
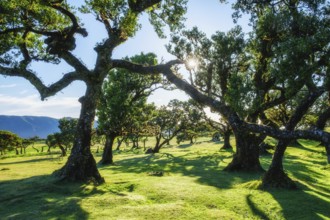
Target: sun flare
192, 63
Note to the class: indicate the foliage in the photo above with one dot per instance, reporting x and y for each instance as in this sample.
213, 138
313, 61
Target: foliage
9, 141
55, 140
67, 128
123, 106
193, 120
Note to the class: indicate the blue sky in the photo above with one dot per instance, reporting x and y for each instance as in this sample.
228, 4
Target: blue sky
18, 97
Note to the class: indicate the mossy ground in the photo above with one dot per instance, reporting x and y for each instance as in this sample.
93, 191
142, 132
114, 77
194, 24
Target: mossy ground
192, 186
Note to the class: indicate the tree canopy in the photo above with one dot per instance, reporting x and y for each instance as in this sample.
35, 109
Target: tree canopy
123, 105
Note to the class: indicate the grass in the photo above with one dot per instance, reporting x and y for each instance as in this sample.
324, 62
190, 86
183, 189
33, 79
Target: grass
192, 186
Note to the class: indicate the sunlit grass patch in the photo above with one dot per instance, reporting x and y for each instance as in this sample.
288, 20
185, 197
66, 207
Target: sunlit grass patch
192, 186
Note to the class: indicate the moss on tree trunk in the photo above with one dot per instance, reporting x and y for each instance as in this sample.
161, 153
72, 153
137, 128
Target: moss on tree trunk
275, 177
81, 165
226, 139
246, 157
107, 156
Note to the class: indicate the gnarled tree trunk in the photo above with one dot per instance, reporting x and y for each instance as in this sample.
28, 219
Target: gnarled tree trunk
275, 177
157, 145
81, 165
246, 157
63, 151
226, 140
119, 142
107, 156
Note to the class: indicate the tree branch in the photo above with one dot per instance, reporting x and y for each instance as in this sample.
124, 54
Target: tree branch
12, 30
138, 68
44, 91
312, 134
141, 5
231, 116
74, 62
323, 118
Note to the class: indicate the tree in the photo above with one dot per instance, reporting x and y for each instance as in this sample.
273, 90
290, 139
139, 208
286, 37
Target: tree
97, 139
67, 128
222, 76
32, 141
193, 121
222, 127
25, 144
139, 128
55, 140
65, 138
45, 31
9, 141
170, 120
297, 50
123, 106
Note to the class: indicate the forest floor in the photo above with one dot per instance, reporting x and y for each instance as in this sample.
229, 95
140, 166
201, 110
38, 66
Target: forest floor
182, 182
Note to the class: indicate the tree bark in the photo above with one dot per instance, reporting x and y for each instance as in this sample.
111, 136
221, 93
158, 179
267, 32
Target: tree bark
107, 156
81, 165
63, 151
157, 145
35, 148
226, 138
119, 142
275, 177
166, 141
246, 157
263, 148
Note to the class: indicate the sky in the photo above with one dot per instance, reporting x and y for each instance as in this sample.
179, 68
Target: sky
19, 97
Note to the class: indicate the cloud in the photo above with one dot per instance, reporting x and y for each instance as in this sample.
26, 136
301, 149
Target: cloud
7, 86
23, 92
56, 107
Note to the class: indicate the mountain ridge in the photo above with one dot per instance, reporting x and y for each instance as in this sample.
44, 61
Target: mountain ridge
29, 126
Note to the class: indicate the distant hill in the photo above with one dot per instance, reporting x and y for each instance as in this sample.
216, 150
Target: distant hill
29, 126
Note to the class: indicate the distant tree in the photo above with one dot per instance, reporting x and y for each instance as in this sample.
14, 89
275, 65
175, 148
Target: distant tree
34, 140
123, 105
194, 122
50, 142
171, 120
98, 139
68, 127
139, 126
55, 140
222, 127
25, 144
9, 141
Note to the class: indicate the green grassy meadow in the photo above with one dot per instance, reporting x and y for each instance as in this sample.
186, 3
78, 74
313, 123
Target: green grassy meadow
193, 186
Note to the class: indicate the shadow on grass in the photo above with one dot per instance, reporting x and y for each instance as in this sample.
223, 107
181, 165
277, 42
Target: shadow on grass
315, 206
205, 167
312, 194
41, 197
27, 161
254, 208
185, 145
